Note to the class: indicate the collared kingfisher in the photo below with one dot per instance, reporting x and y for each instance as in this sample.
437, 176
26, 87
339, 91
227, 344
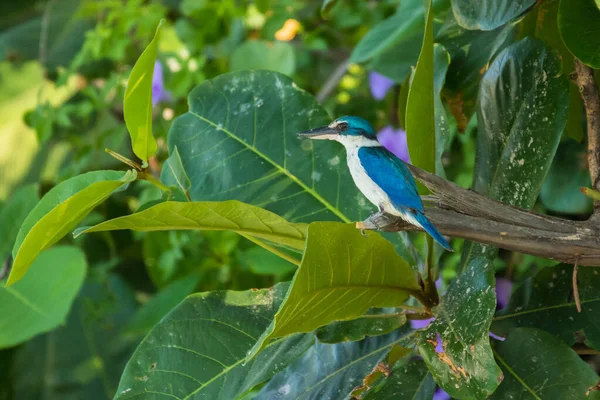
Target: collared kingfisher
382, 178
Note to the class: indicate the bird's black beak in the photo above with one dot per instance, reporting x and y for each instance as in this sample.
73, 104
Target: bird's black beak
324, 132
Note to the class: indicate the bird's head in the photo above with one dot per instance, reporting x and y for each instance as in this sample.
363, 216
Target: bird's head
343, 128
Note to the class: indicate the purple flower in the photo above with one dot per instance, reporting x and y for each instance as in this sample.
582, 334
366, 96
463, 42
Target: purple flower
503, 290
159, 93
420, 323
395, 141
379, 85
440, 394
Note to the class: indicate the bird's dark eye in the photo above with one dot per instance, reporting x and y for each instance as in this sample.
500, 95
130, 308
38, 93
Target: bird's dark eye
342, 126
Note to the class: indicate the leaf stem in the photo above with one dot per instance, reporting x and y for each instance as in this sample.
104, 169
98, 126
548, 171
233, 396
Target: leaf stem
150, 178
124, 160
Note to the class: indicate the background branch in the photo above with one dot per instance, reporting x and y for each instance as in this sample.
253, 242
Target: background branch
463, 213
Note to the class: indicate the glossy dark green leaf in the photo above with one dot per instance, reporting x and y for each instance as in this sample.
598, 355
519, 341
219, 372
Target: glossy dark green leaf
198, 349
568, 173
456, 346
342, 275
546, 302
329, 371
238, 141
522, 111
420, 108
259, 54
40, 302
231, 215
376, 322
12, 215
410, 381
174, 174
158, 306
59, 212
537, 365
82, 359
578, 22
486, 15
137, 105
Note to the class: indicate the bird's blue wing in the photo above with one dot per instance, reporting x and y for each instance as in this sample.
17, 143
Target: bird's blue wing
390, 174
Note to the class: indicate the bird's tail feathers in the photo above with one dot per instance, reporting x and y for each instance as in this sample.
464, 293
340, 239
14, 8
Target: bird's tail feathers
424, 223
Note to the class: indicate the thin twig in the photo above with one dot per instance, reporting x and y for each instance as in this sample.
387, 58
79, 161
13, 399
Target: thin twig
463, 213
333, 80
575, 287
584, 78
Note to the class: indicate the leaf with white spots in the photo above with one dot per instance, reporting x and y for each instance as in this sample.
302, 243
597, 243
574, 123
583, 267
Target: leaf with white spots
537, 366
197, 351
456, 346
546, 302
410, 381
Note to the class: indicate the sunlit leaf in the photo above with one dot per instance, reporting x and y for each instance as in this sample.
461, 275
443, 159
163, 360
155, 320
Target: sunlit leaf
577, 22
40, 302
537, 365
342, 275
137, 106
488, 14
198, 349
59, 211
456, 346
226, 215
546, 302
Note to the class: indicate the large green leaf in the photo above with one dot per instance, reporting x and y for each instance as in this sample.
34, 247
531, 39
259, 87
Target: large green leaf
59, 211
522, 111
40, 302
342, 275
260, 54
329, 371
486, 15
82, 359
137, 105
376, 322
578, 22
12, 215
420, 108
226, 215
537, 365
198, 350
546, 302
411, 381
238, 141
164, 301
456, 346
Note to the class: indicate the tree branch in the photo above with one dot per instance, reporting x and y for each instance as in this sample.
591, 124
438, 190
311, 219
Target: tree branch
467, 214
584, 79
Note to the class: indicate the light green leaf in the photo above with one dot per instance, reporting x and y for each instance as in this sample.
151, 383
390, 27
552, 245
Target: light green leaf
456, 346
230, 215
263, 262
577, 23
376, 322
40, 302
198, 349
84, 357
12, 215
420, 108
250, 119
487, 15
137, 106
411, 381
342, 275
259, 54
59, 211
174, 172
537, 366
522, 112
546, 302
158, 306
330, 371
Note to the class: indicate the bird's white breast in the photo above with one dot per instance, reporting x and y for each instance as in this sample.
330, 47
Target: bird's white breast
363, 182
